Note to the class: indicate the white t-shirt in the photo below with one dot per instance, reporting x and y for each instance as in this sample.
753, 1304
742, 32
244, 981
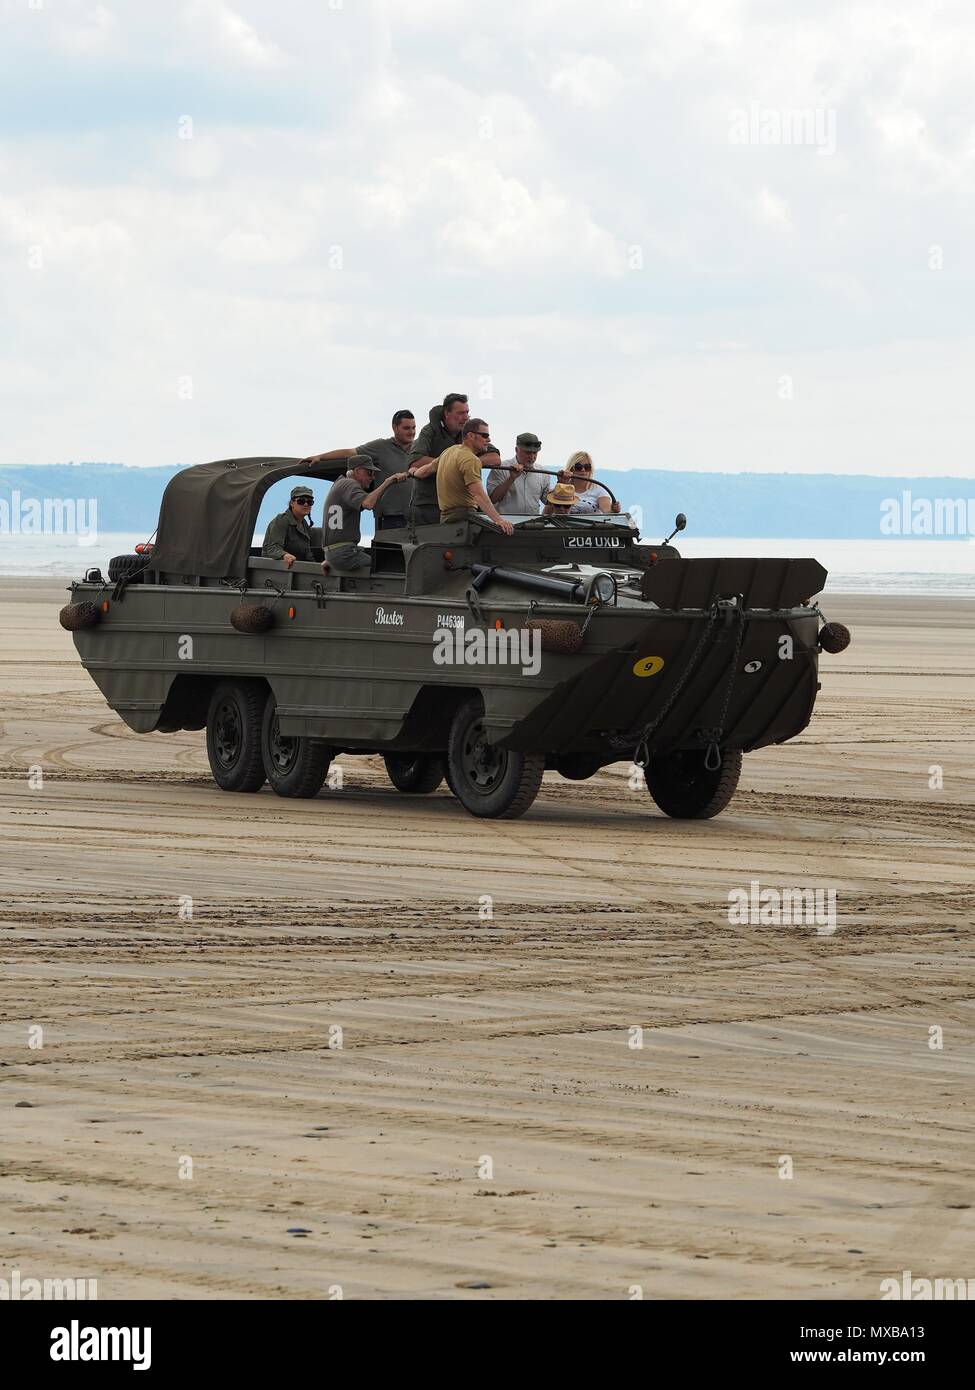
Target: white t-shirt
587, 501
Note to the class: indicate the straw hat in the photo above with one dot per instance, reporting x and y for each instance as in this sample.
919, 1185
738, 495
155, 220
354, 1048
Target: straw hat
561, 495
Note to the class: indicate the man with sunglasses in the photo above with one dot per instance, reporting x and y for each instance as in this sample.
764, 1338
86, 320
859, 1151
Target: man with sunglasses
516, 489
460, 492
288, 536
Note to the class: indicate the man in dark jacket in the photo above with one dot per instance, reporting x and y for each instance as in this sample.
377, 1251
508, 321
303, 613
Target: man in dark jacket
446, 425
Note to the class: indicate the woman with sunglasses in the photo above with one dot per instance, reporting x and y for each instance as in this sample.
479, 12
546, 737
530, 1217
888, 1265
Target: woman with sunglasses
590, 497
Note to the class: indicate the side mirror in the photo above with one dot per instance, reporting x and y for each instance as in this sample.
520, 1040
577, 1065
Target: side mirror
680, 521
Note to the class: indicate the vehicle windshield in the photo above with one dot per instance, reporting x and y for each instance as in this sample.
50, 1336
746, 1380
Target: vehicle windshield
580, 518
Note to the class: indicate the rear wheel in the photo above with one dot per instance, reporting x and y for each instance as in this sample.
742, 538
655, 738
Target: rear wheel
294, 766
683, 787
234, 735
415, 772
487, 780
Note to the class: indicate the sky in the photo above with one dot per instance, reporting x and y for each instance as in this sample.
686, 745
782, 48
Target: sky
723, 235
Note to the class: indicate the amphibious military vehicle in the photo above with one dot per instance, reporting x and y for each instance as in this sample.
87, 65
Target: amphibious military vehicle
462, 653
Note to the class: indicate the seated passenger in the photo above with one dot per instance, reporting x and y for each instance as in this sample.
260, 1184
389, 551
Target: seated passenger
560, 500
341, 523
288, 536
460, 491
590, 497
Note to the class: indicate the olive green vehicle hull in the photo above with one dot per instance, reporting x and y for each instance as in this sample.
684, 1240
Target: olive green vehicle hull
685, 650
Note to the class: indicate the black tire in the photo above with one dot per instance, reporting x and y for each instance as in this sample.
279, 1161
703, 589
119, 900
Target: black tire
578, 767
128, 567
486, 780
683, 787
419, 773
293, 766
234, 735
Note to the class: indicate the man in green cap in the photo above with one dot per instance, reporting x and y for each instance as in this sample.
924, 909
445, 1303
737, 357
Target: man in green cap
516, 489
341, 524
288, 537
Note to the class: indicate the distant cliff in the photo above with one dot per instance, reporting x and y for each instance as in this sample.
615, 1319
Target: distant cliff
830, 506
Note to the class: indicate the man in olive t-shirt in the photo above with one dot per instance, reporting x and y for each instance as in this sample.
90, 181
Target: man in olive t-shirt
460, 491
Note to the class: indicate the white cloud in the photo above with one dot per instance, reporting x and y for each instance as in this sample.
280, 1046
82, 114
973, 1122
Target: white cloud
588, 81
771, 210
229, 36
501, 226
90, 33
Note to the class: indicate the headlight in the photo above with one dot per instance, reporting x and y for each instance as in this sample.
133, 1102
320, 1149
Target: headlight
602, 589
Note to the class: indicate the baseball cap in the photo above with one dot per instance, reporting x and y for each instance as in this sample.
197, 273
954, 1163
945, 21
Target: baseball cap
361, 461
305, 491
527, 440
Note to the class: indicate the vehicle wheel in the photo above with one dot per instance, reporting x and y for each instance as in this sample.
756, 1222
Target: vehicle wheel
234, 735
683, 787
414, 772
128, 567
489, 781
578, 767
294, 766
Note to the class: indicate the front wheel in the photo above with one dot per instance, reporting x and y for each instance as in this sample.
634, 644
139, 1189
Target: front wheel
419, 773
294, 766
683, 787
234, 735
487, 780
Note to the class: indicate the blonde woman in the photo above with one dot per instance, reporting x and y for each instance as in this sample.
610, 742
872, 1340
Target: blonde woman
590, 498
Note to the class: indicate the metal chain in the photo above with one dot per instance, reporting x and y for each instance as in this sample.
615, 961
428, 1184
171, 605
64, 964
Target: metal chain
589, 618
712, 736
641, 750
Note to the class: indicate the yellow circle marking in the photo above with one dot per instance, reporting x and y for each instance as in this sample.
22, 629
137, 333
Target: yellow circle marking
648, 666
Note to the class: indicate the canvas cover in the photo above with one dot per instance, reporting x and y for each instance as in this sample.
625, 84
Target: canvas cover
208, 513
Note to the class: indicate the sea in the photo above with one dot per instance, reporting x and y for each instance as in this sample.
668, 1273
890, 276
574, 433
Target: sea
883, 566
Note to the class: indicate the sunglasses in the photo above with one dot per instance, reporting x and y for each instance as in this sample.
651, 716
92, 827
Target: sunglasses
481, 434
582, 468
305, 501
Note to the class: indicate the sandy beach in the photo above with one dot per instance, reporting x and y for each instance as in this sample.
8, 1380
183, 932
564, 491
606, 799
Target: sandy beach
388, 1051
